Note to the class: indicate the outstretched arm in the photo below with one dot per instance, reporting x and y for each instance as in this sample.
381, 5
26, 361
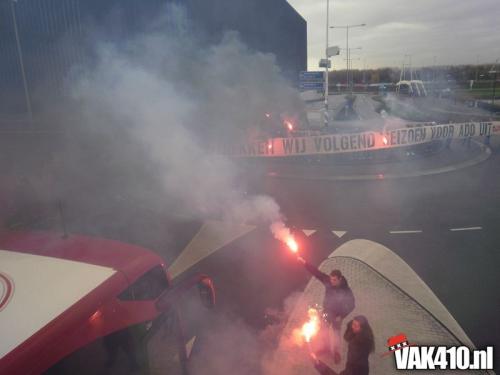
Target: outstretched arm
323, 277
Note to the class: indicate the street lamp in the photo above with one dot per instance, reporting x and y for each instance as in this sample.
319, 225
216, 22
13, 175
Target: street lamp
21, 62
350, 60
326, 115
347, 27
411, 69
494, 72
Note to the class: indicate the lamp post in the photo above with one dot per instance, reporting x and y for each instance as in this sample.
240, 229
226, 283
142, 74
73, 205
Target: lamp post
21, 62
411, 69
477, 66
494, 72
347, 27
326, 115
351, 83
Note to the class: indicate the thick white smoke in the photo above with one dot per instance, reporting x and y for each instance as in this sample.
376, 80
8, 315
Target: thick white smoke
280, 231
174, 98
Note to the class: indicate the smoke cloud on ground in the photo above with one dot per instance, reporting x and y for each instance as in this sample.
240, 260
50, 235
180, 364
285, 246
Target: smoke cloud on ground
231, 346
140, 119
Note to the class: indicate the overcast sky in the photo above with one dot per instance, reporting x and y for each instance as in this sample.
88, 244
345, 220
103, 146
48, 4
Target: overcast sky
455, 31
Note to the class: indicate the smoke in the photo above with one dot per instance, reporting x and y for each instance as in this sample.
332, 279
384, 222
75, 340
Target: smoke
141, 118
280, 231
144, 113
230, 346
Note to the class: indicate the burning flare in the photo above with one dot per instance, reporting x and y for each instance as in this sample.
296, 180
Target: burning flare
311, 327
292, 244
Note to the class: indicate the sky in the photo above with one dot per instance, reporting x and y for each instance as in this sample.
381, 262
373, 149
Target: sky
447, 31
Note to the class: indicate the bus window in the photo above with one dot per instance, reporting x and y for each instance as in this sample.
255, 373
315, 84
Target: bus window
148, 287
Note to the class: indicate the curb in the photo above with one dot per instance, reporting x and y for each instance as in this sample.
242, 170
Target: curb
483, 156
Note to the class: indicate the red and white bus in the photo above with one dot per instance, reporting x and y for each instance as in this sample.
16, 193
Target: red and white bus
81, 305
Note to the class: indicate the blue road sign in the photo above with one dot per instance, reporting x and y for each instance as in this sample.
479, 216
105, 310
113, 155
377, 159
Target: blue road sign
311, 85
311, 76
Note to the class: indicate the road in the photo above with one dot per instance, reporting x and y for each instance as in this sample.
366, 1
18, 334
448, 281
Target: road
445, 227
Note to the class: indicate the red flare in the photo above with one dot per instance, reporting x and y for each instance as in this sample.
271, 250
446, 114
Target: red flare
311, 327
292, 244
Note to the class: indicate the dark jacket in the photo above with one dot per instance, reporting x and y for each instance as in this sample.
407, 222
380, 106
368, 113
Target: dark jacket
339, 301
358, 351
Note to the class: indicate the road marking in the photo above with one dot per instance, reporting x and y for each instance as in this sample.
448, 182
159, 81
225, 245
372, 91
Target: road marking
212, 236
468, 228
404, 231
189, 346
308, 232
339, 233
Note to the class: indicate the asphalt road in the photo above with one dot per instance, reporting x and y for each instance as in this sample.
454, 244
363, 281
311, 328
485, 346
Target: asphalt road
445, 227
453, 245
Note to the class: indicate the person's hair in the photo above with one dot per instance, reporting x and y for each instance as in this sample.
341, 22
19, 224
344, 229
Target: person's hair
336, 273
343, 280
365, 335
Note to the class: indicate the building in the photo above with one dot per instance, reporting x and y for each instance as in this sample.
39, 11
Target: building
40, 40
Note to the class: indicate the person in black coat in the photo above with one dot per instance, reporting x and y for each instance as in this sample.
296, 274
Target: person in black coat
359, 337
338, 301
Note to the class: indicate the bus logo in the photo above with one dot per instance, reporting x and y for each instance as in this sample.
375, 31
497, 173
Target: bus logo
6, 290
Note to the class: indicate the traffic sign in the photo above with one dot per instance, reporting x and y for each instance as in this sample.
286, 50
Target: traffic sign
311, 85
324, 62
311, 76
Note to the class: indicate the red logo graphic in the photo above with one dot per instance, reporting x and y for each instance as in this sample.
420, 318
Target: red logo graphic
396, 342
6, 290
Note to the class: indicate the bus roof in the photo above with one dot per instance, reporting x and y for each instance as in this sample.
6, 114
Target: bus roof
130, 259
51, 286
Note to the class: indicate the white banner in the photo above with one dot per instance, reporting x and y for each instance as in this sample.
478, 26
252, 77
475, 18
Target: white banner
337, 143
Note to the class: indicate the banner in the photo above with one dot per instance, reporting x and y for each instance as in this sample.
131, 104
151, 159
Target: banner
367, 141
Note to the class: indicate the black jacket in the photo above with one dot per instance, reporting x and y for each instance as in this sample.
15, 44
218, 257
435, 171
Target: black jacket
339, 301
358, 351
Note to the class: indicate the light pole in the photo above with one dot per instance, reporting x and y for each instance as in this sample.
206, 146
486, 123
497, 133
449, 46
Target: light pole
494, 72
411, 69
364, 70
347, 27
477, 66
326, 115
351, 83
21, 63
